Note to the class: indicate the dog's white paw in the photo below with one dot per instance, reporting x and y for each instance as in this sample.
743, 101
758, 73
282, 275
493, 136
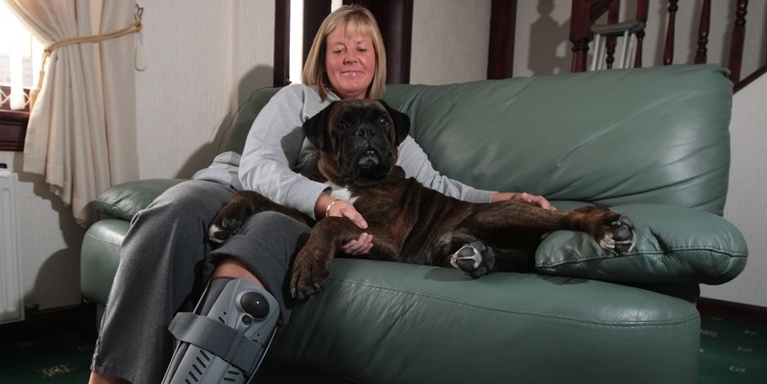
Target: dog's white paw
475, 259
217, 234
621, 238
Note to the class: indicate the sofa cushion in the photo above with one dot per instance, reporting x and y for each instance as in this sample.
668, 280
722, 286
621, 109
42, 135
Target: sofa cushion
124, 200
674, 245
383, 322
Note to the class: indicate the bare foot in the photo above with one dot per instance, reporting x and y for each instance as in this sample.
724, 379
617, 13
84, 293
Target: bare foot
234, 268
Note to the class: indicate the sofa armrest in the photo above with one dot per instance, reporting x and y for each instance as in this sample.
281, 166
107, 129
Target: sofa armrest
124, 200
674, 245
100, 256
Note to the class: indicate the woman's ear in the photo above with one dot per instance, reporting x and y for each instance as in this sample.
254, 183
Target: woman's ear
315, 128
401, 122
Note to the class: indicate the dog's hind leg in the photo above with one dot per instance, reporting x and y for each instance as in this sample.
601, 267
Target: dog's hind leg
474, 259
514, 220
243, 205
461, 250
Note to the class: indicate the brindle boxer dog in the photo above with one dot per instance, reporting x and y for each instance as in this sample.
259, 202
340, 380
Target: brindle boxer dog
410, 223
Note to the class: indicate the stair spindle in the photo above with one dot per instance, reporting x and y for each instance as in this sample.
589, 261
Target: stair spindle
642, 7
668, 52
613, 14
703, 29
738, 36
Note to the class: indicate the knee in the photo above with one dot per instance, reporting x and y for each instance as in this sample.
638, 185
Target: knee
274, 224
191, 199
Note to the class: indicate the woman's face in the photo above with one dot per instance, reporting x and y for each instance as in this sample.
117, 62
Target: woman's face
350, 63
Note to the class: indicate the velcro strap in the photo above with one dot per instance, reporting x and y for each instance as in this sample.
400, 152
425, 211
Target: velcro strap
219, 339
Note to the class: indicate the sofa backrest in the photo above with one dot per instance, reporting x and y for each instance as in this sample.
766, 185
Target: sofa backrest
237, 131
612, 137
653, 135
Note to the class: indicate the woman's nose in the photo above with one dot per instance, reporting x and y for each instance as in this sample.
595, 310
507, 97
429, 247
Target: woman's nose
350, 58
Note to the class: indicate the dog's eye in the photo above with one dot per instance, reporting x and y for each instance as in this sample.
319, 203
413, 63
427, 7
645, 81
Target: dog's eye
382, 120
342, 125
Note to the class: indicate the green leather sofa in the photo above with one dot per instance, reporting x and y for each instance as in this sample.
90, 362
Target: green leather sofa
652, 143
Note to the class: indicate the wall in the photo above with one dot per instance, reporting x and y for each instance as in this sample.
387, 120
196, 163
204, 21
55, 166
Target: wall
204, 57
449, 41
542, 30
747, 194
49, 242
186, 98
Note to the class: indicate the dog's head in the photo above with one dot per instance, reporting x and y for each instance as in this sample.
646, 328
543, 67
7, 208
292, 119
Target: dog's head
357, 140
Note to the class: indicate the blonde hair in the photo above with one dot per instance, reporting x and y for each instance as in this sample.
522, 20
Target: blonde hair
358, 20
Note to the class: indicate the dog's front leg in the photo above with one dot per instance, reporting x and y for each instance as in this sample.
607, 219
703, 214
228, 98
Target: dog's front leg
311, 265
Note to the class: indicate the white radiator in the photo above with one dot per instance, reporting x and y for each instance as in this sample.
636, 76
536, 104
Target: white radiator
11, 297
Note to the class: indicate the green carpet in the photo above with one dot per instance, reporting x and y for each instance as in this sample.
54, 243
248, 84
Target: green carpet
61, 359
731, 351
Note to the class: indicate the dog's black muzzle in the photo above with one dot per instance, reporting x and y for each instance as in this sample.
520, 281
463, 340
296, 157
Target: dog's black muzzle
366, 153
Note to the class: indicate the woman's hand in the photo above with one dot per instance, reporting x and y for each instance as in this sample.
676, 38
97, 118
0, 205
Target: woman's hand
361, 246
327, 206
524, 197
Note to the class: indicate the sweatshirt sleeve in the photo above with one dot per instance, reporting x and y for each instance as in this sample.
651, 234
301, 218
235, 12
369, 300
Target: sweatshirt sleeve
273, 150
416, 164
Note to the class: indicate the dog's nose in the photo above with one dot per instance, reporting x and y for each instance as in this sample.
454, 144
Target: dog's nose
365, 131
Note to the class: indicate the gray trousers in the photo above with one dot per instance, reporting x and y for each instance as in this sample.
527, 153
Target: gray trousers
165, 262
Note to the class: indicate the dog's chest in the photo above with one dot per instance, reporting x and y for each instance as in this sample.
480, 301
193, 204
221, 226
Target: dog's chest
341, 193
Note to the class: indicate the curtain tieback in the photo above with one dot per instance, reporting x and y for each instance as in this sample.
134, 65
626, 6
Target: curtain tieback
133, 28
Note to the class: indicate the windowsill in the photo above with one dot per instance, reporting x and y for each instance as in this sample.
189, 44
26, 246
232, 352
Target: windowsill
13, 129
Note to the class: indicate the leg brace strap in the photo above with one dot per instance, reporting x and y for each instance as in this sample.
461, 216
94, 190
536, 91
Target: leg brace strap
220, 339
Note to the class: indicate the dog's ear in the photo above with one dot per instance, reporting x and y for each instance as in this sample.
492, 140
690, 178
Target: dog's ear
401, 122
315, 128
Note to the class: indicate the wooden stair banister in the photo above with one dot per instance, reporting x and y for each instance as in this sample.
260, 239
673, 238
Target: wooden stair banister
704, 26
584, 14
613, 17
611, 32
668, 50
738, 36
641, 16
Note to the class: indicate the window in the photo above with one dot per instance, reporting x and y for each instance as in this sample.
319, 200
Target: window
297, 37
296, 41
20, 60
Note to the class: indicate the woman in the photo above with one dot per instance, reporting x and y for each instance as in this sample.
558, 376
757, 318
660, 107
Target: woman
161, 274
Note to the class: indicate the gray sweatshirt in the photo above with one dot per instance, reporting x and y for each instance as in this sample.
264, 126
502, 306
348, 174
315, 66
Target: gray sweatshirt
277, 153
